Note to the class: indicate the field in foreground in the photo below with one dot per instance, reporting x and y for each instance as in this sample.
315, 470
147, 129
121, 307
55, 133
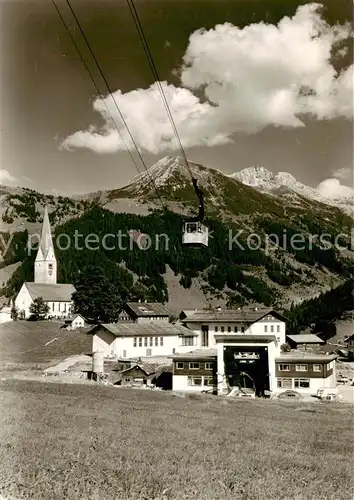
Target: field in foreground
76, 442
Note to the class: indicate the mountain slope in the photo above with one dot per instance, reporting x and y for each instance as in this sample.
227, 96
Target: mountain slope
225, 272
285, 184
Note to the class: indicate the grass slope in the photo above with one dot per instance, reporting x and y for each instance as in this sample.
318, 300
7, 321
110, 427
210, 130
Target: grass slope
65, 441
23, 344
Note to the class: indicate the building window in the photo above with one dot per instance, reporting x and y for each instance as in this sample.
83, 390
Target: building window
216, 329
194, 380
208, 381
242, 329
65, 307
180, 365
188, 340
284, 383
265, 328
151, 341
222, 329
194, 366
284, 368
301, 368
302, 383
316, 368
278, 328
135, 342
278, 339
235, 329
161, 341
145, 341
53, 306
205, 336
229, 329
124, 354
272, 328
140, 341
173, 350
208, 366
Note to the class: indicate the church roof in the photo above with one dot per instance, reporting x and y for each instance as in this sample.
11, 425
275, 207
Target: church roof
46, 242
60, 292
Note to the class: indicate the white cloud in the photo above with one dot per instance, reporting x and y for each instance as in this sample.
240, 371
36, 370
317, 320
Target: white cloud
7, 178
253, 77
333, 188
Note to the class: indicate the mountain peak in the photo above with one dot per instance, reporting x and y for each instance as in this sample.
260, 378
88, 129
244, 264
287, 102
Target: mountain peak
265, 181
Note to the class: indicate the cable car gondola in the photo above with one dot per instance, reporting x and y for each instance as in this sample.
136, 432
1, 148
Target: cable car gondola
195, 233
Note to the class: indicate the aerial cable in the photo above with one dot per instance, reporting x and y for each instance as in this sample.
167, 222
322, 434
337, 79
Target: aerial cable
94, 83
113, 98
147, 51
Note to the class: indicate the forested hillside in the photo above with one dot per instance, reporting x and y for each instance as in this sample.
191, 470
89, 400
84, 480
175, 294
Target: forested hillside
240, 274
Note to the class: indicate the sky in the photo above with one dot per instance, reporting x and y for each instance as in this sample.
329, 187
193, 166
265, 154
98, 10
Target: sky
248, 82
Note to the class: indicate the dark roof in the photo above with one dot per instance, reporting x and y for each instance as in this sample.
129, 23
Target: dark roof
306, 339
143, 309
208, 353
145, 329
145, 367
60, 292
241, 315
230, 337
305, 356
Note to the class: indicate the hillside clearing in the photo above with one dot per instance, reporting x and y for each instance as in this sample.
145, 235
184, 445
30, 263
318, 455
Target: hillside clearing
27, 345
69, 441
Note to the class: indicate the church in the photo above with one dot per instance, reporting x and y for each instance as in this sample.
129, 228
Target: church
56, 295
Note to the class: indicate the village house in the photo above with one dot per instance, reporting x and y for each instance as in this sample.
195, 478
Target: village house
139, 374
74, 322
304, 341
144, 312
132, 340
56, 295
349, 341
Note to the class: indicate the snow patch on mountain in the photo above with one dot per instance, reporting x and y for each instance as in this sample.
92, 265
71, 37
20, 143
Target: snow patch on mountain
266, 181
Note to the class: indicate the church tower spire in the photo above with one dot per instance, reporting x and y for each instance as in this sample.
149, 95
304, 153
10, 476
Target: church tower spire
45, 266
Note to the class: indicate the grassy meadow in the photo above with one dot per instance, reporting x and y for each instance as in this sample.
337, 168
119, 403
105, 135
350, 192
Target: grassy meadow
64, 441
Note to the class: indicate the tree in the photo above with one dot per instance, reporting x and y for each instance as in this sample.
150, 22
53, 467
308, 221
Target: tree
39, 309
285, 348
96, 298
14, 313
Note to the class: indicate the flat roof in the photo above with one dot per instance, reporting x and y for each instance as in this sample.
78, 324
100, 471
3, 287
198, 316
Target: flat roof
305, 356
208, 353
306, 338
240, 338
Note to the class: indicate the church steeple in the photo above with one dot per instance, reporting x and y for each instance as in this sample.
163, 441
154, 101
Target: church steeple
45, 267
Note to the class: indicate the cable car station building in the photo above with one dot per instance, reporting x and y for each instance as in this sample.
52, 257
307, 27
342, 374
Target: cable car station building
245, 345
242, 349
